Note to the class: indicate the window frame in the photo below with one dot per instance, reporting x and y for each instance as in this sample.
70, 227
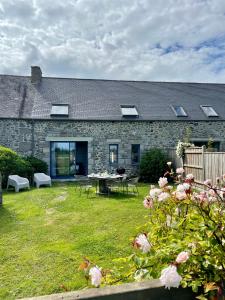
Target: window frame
117, 155
204, 142
215, 114
136, 115
66, 114
175, 112
139, 154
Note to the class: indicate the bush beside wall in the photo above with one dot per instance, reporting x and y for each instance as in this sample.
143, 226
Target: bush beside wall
38, 165
13, 164
153, 165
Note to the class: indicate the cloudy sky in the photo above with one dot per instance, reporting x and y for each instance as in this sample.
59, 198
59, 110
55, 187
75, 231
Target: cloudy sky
162, 40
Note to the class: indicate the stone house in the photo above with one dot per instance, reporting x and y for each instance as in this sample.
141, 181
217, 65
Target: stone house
79, 126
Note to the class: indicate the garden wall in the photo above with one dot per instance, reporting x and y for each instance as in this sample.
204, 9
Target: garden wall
146, 290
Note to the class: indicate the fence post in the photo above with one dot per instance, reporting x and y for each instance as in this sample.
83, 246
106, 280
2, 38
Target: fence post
0, 189
203, 163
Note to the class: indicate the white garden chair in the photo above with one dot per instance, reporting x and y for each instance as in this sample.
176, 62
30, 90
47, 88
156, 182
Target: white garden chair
42, 179
18, 182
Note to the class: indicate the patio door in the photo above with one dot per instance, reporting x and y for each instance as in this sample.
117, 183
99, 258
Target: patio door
63, 159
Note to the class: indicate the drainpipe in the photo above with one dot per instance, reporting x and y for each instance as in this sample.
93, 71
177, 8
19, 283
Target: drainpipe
32, 137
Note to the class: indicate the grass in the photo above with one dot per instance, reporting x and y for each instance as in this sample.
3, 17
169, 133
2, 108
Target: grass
46, 232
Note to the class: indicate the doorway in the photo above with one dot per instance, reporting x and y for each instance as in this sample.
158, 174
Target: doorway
68, 159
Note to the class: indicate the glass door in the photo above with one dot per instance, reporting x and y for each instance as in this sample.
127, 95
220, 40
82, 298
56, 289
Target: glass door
63, 159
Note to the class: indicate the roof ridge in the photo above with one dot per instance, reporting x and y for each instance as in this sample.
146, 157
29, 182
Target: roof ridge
134, 81
117, 80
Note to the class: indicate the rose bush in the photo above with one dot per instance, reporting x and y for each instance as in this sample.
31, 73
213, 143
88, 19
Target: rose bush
183, 241
181, 147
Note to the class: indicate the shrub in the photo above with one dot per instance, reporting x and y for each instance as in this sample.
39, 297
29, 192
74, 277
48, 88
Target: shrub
38, 165
182, 243
23, 168
153, 165
12, 163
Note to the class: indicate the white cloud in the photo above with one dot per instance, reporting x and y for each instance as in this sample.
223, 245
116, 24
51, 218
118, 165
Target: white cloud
172, 40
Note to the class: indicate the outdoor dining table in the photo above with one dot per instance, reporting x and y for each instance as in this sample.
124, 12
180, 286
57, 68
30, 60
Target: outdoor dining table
102, 181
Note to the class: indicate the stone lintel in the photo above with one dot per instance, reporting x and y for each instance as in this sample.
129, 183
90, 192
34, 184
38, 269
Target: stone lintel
113, 141
68, 139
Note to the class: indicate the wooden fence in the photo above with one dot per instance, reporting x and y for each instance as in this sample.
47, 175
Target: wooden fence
204, 165
172, 156
199, 162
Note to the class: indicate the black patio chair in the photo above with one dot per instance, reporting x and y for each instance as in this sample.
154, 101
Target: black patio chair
84, 185
114, 185
131, 185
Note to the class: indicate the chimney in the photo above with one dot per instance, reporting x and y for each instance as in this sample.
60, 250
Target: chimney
36, 74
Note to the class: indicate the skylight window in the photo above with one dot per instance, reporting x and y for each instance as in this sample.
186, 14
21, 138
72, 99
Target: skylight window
129, 111
60, 110
209, 111
179, 111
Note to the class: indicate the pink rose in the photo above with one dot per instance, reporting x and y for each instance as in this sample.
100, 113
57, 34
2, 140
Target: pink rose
170, 277
163, 196
180, 188
96, 276
202, 197
148, 202
142, 243
154, 192
162, 181
190, 176
180, 195
208, 182
183, 187
182, 257
179, 170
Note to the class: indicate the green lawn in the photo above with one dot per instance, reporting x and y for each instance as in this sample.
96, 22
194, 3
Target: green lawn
45, 233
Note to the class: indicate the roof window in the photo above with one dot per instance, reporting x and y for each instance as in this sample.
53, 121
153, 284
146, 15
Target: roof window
209, 111
60, 110
129, 111
179, 111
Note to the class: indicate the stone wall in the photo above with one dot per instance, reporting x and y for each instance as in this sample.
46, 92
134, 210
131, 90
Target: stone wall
33, 137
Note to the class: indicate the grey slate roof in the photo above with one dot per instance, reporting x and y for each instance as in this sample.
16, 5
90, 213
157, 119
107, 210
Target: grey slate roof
91, 99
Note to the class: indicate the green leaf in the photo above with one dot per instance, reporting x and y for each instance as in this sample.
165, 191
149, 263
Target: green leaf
201, 297
137, 260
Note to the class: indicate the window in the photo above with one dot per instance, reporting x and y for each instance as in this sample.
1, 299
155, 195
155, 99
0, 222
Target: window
135, 154
179, 111
113, 154
129, 111
209, 111
63, 159
60, 110
215, 145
